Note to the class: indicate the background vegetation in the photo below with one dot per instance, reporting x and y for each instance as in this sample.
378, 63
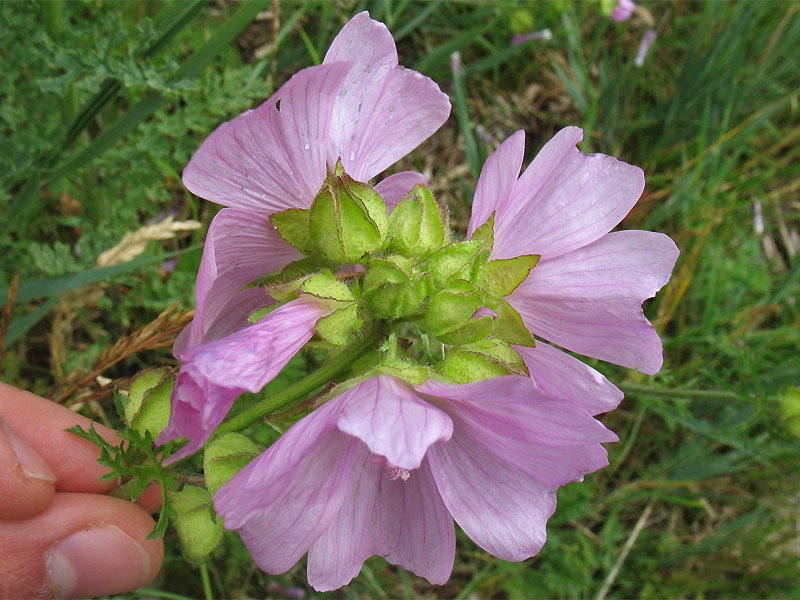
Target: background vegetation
103, 103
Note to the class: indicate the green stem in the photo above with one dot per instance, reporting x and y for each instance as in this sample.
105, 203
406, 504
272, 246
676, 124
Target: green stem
207, 591
646, 390
305, 386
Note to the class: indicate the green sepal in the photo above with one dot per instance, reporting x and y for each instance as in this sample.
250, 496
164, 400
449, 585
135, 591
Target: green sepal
417, 224
452, 259
409, 371
485, 233
448, 311
293, 227
501, 277
325, 286
471, 331
262, 312
199, 529
391, 288
225, 457
509, 326
337, 327
390, 269
345, 223
790, 410
482, 360
148, 405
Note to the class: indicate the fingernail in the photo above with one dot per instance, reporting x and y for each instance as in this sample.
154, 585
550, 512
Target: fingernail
97, 561
30, 462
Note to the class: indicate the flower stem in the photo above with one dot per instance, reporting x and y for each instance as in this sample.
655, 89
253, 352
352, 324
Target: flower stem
305, 386
646, 390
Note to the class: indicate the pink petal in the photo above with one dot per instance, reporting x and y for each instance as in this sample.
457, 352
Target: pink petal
281, 508
589, 300
623, 10
499, 174
512, 447
560, 375
214, 374
418, 531
241, 246
502, 509
392, 421
273, 157
564, 200
404, 521
383, 111
396, 187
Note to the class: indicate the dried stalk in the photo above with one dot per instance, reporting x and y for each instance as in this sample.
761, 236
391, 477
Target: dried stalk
5, 318
157, 334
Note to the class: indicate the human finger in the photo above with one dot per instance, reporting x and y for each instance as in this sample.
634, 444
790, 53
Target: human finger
80, 545
27, 483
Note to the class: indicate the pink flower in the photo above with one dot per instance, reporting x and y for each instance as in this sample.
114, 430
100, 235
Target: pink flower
384, 469
644, 46
623, 10
359, 105
215, 373
586, 292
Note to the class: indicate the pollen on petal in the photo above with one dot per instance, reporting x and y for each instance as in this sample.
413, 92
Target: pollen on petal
396, 473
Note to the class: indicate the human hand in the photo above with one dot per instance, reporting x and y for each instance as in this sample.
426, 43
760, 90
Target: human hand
60, 535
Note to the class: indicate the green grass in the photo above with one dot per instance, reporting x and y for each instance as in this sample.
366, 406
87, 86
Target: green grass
102, 104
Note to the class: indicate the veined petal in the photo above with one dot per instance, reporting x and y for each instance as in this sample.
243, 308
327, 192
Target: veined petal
501, 508
241, 246
281, 508
383, 111
392, 420
590, 300
273, 157
498, 176
396, 187
404, 521
560, 375
214, 374
564, 200
418, 531
354, 534
512, 447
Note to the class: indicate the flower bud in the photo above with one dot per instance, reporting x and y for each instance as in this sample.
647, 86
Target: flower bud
199, 529
347, 220
418, 224
392, 289
225, 457
148, 405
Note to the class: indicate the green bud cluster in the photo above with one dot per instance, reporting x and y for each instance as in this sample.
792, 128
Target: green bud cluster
440, 301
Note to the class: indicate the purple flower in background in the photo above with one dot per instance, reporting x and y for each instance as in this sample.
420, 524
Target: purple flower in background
644, 46
623, 10
586, 292
359, 107
384, 469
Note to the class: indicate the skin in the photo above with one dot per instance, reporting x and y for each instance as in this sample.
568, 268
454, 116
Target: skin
36, 513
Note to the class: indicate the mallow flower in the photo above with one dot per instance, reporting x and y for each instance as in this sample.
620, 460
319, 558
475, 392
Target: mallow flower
586, 292
385, 467
359, 110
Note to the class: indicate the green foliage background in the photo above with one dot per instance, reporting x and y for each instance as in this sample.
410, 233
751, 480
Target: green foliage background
103, 103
